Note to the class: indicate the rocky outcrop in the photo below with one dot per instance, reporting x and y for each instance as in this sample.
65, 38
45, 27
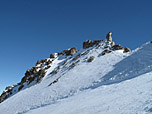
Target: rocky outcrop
125, 50
109, 38
37, 63
105, 52
89, 43
36, 73
20, 87
3, 96
117, 47
52, 56
90, 59
68, 52
71, 51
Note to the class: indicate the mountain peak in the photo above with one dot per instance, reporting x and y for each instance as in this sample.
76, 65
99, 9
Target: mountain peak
69, 57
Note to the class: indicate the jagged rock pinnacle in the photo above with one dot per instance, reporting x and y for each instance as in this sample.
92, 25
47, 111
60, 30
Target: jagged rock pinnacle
109, 38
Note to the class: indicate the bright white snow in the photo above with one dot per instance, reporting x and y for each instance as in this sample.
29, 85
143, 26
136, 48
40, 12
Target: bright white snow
98, 87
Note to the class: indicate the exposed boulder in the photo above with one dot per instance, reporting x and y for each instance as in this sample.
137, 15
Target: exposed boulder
68, 52
52, 56
109, 38
105, 52
89, 43
61, 53
40, 74
3, 96
42, 61
96, 42
151, 42
8, 87
73, 65
31, 79
20, 87
24, 79
126, 50
48, 62
90, 59
71, 51
37, 63
117, 47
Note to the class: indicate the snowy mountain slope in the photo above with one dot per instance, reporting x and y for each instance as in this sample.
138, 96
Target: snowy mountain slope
129, 97
72, 76
139, 62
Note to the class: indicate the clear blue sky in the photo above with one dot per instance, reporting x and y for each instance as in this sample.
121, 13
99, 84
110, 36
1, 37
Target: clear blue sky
31, 30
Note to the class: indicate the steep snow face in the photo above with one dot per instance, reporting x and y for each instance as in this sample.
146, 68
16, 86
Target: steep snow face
138, 63
75, 76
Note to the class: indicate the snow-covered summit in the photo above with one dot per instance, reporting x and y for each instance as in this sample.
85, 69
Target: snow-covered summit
71, 73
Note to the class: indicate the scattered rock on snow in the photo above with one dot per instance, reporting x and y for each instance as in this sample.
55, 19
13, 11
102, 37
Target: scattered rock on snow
117, 47
68, 52
89, 43
90, 59
126, 50
105, 52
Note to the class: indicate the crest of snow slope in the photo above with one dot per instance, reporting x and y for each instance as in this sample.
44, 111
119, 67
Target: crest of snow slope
140, 62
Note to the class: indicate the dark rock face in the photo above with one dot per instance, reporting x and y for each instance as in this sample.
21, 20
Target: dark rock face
89, 43
126, 50
37, 63
117, 47
151, 42
3, 96
52, 56
68, 52
105, 52
71, 51
48, 62
109, 38
90, 59
40, 74
20, 87
8, 87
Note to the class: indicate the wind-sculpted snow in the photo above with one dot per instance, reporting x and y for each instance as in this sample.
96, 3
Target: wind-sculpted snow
140, 62
75, 76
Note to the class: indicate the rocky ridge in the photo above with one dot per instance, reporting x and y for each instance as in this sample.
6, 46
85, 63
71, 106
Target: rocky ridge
35, 74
